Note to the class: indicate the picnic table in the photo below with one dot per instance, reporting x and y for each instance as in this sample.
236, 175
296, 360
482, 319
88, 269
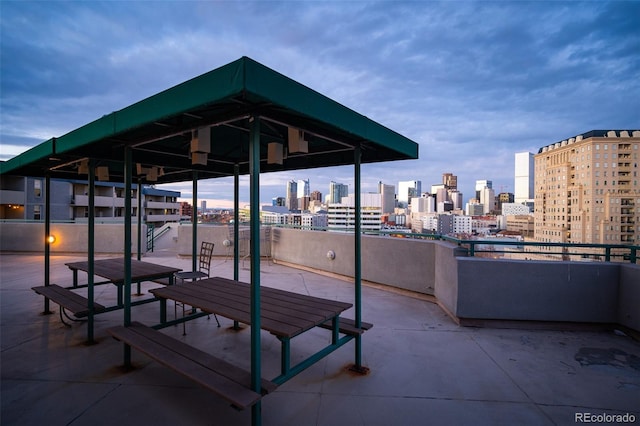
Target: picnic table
282, 313
113, 270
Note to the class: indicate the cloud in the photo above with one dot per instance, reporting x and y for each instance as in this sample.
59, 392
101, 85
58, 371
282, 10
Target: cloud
472, 82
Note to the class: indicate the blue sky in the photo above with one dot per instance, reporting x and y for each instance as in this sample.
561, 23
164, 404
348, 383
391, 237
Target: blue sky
472, 82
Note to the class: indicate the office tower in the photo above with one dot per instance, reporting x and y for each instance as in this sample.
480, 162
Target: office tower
388, 193
291, 202
303, 188
203, 205
408, 190
587, 189
503, 198
487, 199
439, 191
336, 192
316, 196
341, 216
524, 177
456, 199
480, 185
450, 181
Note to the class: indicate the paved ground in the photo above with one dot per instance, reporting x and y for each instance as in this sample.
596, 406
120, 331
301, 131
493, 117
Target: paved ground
424, 368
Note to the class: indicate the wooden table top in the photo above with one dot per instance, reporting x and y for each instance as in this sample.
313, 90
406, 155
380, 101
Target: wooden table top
113, 269
282, 313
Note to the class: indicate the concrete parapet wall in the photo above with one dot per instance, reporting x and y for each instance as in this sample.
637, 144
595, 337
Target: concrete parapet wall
537, 290
70, 237
466, 287
402, 263
212, 234
217, 234
446, 275
629, 297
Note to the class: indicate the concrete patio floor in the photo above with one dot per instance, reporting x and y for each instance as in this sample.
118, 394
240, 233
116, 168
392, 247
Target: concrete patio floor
424, 369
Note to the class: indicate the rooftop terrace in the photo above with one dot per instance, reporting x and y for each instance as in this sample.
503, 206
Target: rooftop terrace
424, 368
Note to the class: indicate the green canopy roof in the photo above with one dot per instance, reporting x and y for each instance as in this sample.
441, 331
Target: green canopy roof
160, 130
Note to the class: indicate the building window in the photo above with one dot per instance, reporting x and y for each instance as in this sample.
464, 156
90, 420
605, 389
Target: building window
37, 212
37, 188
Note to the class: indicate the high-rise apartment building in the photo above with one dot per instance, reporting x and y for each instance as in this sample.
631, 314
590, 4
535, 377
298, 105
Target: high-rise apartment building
524, 177
408, 190
587, 189
24, 198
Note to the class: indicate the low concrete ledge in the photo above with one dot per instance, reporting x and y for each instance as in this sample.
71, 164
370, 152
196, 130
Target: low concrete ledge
537, 291
402, 263
629, 297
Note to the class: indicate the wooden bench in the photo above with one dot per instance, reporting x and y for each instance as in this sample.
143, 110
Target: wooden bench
348, 326
73, 302
226, 380
163, 281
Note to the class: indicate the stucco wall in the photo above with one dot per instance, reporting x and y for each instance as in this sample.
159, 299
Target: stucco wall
217, 234
629, 296
402, 263
446, 275
538, 291
70, 237
467, 287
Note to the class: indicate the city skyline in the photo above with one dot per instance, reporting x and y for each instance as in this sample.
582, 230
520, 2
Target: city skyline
473, 82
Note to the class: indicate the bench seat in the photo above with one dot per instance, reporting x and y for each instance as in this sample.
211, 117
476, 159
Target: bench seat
348, 326
226, 380
163, 281
73, 302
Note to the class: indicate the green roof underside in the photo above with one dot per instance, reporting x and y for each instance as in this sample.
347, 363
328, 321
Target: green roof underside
159, 130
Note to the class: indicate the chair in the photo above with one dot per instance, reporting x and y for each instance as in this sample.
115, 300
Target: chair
204, 269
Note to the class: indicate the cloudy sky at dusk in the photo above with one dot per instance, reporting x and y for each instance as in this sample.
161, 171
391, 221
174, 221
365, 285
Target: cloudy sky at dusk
472, 82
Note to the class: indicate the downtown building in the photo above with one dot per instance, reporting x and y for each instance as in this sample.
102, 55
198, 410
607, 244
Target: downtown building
587, 190
341, 216
524, 178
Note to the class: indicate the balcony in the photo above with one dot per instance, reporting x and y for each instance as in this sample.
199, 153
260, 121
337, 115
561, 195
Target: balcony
100, 201
12, 197
161, 205
154, 218
425, 363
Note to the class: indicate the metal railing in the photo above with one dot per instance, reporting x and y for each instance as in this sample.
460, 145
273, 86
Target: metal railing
554, 251
152, 236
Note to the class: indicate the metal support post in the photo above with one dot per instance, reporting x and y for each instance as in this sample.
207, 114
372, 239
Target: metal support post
194, 223
91, 222
358, 254
236, 228
127, 248
254, 224
47, 234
